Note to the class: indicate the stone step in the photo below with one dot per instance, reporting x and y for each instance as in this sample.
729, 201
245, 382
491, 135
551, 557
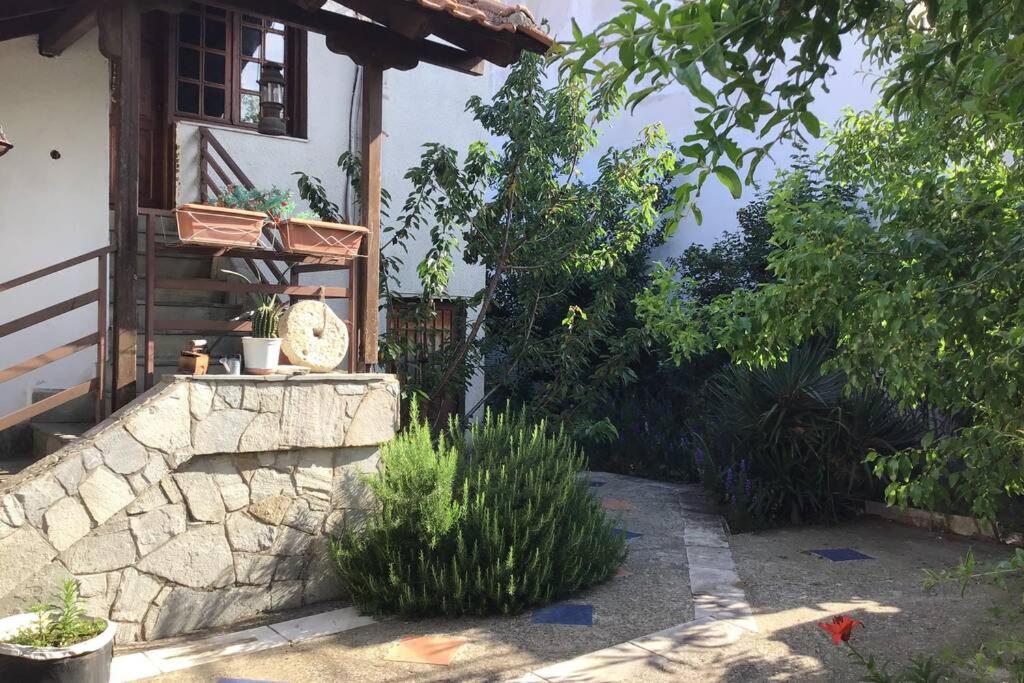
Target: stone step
50, 437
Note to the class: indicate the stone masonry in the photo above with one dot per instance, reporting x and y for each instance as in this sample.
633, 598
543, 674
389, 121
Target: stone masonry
204, 503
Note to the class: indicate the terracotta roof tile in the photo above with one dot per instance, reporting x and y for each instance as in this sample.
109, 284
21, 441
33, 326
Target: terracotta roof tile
495, 15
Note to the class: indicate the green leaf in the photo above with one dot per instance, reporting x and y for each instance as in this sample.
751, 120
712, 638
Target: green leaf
730, 179
811, 123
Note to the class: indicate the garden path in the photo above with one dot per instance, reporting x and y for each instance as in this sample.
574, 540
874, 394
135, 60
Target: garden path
652, 593
705, 635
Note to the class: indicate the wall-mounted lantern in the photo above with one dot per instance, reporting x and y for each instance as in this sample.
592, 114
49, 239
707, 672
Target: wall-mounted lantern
5, 144
272, 100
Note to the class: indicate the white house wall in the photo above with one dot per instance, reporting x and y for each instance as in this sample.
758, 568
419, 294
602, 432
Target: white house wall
51, 209
421, 106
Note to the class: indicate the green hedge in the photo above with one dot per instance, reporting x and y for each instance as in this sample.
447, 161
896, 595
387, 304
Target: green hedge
491, 524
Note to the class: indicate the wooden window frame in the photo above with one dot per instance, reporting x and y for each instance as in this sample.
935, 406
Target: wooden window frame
295, 67
448, 327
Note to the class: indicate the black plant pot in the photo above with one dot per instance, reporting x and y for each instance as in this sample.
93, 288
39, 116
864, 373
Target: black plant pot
85, 662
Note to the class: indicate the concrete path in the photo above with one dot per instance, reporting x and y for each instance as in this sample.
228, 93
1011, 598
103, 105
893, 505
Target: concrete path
721, 614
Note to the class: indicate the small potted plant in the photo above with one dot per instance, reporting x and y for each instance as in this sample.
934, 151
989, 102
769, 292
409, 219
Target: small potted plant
262, 351
237, 219
57, 643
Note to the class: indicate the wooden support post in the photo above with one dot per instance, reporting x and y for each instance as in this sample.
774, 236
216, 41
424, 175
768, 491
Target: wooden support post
126, 206
150, 313
373, 139
103, 277
354, 299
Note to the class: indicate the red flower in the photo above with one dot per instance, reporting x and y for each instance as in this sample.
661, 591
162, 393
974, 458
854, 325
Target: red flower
841, 628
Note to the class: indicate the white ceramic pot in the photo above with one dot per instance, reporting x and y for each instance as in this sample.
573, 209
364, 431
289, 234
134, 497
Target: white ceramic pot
261, 355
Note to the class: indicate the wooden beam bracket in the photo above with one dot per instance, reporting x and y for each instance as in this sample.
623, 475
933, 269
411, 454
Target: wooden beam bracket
70, 26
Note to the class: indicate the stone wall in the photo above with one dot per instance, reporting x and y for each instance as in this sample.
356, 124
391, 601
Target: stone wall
204, 503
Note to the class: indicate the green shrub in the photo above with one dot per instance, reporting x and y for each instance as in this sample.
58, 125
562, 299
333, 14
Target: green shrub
784, 443
491, 524
62, 624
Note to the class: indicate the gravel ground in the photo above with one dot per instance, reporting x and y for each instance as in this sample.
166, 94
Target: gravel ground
655, 595
791, 591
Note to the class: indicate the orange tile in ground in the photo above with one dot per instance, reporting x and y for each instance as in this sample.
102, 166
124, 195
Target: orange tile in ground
426, 650
615, 504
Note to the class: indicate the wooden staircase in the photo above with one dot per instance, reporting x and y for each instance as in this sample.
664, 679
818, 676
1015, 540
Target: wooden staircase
173, 304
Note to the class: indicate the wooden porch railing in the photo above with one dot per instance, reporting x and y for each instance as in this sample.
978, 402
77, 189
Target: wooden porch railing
97, 339
213, 158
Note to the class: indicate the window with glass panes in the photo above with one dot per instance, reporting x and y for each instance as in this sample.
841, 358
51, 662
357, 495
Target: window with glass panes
219, 57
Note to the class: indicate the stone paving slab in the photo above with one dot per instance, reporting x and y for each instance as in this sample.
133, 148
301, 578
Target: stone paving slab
133, 666
624, 662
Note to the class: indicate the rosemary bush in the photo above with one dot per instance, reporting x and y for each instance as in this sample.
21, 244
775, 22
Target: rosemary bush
491, 524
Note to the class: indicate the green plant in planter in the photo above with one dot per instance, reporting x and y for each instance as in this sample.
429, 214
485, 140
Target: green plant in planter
61, 624
275, 202
265, 317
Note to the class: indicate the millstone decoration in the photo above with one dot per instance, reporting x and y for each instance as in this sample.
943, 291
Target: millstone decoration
313, 336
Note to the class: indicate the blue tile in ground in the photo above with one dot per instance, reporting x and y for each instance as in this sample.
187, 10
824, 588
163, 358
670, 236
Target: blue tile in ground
840, 554
595, 484
630, 535
573, 615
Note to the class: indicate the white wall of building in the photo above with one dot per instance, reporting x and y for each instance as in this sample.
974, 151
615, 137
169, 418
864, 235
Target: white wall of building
849, 88
51, 209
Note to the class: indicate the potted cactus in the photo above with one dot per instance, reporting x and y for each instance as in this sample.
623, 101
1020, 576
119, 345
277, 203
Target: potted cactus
57, 642
262, 351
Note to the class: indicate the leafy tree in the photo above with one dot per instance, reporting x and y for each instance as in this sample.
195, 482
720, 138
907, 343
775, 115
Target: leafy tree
755, 65
524, 212
921, 284
736, 260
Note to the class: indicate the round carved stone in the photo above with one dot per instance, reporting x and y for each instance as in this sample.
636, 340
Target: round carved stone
313, 336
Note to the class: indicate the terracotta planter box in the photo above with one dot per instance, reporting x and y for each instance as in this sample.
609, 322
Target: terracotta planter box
320, 238
219, 226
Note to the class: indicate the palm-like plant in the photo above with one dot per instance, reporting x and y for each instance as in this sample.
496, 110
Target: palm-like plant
780, 424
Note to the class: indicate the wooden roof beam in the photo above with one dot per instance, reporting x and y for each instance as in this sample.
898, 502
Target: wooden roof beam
14, 9
309, 5
68, 28
364, 42
27, 25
